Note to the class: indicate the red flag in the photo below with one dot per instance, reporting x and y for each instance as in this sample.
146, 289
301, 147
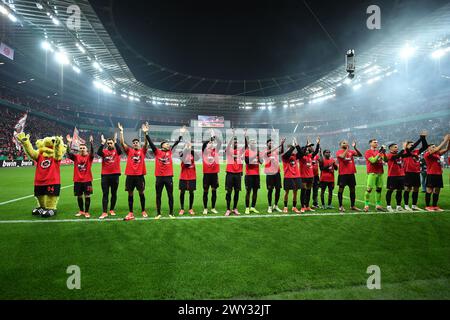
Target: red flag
76, 140
18, 128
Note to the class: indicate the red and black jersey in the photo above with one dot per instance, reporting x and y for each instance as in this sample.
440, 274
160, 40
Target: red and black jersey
188, 169
252, 168
163, 163
347, 164
395, 165
110, 161
376, 167
47, 171
210, 160
136, 162
327, 172
290, 167
82, 165
433, 161
306, 166
271, 162
412, 164
234, 160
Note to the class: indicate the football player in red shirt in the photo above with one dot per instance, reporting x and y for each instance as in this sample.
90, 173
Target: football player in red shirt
82, 175
316, 179
307, 173
347, 172
135, 170
252, 178
396, 175
327, 166
291, 170
272, 171
234, 156
434, 172
110, 173
188, 179
164, 171
412, 171
211, 168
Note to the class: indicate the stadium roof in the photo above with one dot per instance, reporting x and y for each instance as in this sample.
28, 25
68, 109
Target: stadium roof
90, 43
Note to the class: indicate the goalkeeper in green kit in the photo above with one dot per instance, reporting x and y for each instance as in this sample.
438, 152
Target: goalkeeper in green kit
374, 162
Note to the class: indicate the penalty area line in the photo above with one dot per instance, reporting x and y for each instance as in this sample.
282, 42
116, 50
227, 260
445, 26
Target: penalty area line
242, 216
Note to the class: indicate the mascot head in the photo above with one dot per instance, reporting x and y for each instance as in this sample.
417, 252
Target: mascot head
51, 146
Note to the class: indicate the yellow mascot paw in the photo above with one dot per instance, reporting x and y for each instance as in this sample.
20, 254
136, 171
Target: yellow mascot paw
22, 137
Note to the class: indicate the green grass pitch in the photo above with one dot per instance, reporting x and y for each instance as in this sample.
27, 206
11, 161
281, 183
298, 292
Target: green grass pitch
280, 257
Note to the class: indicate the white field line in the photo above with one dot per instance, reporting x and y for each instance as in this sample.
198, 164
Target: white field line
32, 195
242, 216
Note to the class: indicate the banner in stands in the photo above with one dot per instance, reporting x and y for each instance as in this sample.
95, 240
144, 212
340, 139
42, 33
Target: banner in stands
15, 163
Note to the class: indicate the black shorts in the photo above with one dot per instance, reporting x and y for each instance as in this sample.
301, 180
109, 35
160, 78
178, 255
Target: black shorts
346, 180
80, 188
49, 190
210, 180
292, 183
435, 181
273, 181
252, 182
233, 180
326, 184
187, 185
165, 181
110, 181
137, 182
395, 183
307, 180
412, 179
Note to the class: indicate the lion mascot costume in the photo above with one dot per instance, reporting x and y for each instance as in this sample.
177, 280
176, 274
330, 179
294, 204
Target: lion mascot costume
47, 178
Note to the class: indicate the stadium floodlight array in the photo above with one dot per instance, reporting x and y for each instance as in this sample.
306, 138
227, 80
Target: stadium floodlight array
407, 51
101, 86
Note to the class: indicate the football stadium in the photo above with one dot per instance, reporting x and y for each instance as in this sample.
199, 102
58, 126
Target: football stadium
270, 150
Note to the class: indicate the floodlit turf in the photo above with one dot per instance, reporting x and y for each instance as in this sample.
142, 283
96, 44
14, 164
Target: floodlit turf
294, 257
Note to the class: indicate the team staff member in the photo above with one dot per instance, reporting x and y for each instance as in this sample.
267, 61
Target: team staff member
188, 178
211, 168
110, 173
347, 172
135, 171
82, 175
164, 171
434, 172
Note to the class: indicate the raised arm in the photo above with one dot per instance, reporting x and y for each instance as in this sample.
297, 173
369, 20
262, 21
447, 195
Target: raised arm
150, 142
91, 145
145, 127
358, 153
122, 140
101, 147
317, 147
70, 154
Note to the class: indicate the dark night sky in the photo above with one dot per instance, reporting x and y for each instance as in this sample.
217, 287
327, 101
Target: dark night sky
237, 40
